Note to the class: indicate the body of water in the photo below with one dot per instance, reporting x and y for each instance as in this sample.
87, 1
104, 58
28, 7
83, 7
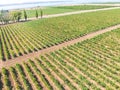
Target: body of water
30, 5
50, 3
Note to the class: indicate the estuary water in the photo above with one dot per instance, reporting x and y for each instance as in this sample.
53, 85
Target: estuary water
50, 3
35, 4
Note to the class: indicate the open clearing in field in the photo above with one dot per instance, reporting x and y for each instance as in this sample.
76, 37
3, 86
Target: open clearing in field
72, 13
91, 64
62, 9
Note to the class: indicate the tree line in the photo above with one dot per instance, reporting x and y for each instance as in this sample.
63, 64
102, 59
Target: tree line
7, 17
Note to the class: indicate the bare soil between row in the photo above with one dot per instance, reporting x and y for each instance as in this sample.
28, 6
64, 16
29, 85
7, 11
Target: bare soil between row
20, 59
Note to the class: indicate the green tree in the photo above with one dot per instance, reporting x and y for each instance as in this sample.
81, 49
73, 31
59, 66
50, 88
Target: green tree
5, 17
25, 15
36, 14
41, 13
16, 15
1, 19
19, 14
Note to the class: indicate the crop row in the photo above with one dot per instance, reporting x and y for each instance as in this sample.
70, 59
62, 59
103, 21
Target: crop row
23, 38
92, 64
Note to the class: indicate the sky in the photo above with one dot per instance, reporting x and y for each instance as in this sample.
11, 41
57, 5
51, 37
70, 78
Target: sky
23, 1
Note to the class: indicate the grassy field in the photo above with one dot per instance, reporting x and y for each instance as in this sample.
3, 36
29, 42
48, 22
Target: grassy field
110, 3
63, 9
23, 38
83, 7
92, 64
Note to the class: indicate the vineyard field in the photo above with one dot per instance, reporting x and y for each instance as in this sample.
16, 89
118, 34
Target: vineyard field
23, 38
89, 65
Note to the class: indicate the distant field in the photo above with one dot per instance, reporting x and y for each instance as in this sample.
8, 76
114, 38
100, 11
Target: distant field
83, 7
92, 64
24, 38
63, 9
111, 3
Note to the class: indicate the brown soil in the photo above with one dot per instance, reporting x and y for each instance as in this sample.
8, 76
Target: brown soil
20, 59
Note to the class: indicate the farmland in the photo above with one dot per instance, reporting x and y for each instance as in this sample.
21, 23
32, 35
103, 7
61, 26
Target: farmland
23, 38
91, 64
62, 9
73, 52
83, 7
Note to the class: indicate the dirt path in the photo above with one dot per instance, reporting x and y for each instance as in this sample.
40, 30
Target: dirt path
65, 14
77, 12
71, 13
20, 59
